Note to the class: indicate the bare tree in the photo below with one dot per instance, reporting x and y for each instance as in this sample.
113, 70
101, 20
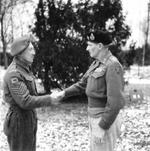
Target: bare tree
6, 21
144, 26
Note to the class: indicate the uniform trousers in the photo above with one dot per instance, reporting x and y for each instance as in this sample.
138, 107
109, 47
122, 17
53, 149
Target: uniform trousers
20, 127
111, 135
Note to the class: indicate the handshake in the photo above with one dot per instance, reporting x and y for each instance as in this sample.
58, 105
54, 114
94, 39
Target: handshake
57, 96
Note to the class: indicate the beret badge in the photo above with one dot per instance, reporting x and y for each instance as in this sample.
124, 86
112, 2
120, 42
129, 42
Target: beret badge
92, 37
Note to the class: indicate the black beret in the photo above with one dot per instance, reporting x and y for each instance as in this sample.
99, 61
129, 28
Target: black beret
103, 37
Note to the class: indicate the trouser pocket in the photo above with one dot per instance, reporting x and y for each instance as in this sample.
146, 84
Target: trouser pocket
109, 141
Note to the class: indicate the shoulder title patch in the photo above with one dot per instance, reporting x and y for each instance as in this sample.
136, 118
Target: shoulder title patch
118, 69
14, 80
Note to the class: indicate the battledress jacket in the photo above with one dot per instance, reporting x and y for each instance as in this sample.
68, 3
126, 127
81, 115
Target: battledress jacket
103, 85
20, 93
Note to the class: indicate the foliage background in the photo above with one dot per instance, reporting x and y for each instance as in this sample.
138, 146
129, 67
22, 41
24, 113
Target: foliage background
62, 29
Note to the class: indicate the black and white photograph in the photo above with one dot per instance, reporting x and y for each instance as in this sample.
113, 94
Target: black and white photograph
74, 75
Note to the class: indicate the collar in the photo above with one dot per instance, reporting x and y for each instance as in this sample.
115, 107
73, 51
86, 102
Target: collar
104, 56
23, 63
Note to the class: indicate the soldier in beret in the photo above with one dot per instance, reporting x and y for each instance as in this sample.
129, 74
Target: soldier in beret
103, 85
20, 93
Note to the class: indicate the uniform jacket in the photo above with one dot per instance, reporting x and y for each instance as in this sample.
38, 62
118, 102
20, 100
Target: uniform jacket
103, 85
20, 88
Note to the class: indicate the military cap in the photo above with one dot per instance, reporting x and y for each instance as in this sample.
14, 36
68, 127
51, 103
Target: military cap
103, 37
20, 44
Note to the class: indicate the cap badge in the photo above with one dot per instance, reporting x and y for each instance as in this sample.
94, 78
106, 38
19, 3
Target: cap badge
92, 37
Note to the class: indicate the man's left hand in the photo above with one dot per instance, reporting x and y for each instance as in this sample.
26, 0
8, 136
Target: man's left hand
98, 135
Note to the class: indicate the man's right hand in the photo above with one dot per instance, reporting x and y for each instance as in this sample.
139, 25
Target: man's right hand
57, 97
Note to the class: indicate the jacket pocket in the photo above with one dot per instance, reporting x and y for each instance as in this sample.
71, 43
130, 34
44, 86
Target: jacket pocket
98, 81
98, 74
29, 81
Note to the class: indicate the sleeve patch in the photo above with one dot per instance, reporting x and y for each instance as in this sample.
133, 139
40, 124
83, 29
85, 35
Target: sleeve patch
118, 69
14, 80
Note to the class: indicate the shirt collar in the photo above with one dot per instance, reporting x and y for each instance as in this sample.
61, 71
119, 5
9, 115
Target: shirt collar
23, 63
104, 56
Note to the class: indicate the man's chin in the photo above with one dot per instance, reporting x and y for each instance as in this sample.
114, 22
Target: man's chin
91, 56
30, 61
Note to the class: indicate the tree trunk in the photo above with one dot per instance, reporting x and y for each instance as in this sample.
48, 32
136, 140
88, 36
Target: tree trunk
46, 79
3, 43
0, 20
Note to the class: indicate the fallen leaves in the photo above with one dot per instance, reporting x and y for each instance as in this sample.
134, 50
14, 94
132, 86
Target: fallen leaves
65, 131
136, 135
65, 128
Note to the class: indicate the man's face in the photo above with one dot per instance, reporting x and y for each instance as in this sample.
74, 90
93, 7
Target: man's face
93, 49
29, 53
